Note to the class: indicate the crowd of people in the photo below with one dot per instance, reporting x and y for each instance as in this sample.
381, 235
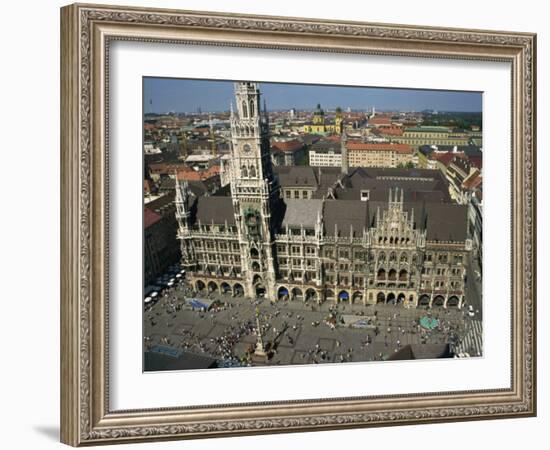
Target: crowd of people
389, 329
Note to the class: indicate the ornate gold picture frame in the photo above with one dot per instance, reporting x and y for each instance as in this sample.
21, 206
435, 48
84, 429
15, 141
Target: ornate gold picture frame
87, 31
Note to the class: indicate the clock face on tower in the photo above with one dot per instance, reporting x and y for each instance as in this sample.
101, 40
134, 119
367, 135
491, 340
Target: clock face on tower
252, 221
246, 148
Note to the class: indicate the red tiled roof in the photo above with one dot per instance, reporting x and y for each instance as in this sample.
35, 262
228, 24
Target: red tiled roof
391, 130
371, 146
150, 217
333, 138
189, 174
354, 116
287, 146
165, 168
380, 120
445, 158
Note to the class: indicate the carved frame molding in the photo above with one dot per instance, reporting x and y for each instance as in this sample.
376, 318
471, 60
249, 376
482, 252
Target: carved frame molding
86, 31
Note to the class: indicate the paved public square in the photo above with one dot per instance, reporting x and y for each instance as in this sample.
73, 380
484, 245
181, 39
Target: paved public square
295, 332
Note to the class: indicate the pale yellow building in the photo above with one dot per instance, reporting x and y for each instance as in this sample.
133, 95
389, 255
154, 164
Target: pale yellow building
419, 136
370, 154
320, 125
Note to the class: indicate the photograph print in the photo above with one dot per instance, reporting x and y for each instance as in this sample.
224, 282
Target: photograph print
293, 224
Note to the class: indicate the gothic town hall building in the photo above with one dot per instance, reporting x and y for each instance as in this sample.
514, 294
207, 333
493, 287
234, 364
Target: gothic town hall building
370, 235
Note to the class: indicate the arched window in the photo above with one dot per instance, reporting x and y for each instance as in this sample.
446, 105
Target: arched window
245, 110
244, 172
252, 109
252, 172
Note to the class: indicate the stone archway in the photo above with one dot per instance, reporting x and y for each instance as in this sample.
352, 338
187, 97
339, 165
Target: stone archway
329, 294
238, 290
343, 296
380, 297
424, 300
357, 297
258, 285
212, 287
297, 294
311, 294
260, 290
401, 298
391, 299
439, 301
453, 302
199, 285
225, 288
282, 293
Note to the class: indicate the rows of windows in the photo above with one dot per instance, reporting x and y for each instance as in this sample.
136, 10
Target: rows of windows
295, 262
221, 245
344, 253
229, 271
214, 258
393, 257
218, 228
297, 194
441, 271
441, 284
296, 250
444, 258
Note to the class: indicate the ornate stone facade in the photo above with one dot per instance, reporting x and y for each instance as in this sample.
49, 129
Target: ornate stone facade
344, 244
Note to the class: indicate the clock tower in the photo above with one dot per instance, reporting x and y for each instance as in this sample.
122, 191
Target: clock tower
254, 189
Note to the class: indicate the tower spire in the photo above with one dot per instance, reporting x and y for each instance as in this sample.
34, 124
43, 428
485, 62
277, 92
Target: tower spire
212, 136
256, 190
344, 152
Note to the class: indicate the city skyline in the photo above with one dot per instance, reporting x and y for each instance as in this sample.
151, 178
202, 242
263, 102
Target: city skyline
330, 240
162, 95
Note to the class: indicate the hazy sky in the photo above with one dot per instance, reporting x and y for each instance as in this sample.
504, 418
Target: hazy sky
161, 95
